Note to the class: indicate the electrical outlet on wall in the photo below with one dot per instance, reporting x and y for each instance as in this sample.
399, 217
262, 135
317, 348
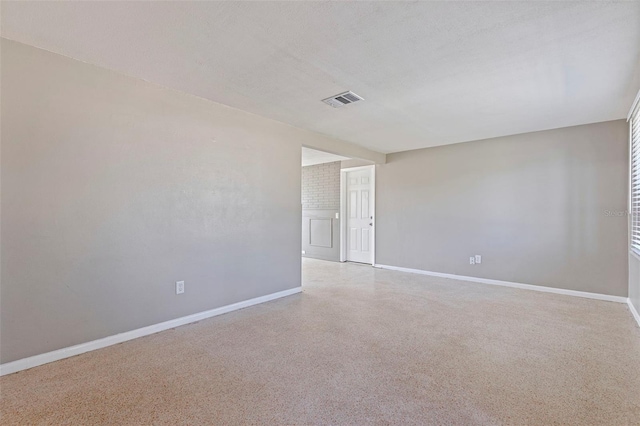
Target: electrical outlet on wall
179, 287
478, 258
472, 260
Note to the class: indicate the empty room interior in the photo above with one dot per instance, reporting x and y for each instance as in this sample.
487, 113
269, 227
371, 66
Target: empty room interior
320, 213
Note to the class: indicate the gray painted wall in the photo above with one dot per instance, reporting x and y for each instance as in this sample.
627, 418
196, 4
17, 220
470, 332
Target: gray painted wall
533, 205
114, 188
320, 203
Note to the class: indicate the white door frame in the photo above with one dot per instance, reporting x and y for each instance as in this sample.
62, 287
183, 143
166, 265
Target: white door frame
343, 211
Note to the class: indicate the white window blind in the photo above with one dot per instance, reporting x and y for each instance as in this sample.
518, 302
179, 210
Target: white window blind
634, 121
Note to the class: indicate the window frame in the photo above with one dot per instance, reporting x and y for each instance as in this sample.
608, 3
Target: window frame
634, 167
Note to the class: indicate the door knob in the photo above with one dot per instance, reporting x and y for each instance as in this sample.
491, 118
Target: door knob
371, 224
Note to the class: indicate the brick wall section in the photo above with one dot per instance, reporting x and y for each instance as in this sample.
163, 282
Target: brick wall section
321, 186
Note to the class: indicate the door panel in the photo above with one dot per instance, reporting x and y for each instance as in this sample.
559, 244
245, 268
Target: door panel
365, 240
353, 204
364, 196
353, 237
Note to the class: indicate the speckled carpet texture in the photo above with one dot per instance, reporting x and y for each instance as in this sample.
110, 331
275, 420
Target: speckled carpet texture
359, 346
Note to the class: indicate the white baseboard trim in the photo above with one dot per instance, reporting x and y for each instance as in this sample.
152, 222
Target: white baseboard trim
597, 296
634, 312
36, 360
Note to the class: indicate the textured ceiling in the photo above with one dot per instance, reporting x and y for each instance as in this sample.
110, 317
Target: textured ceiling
311, 157
431, 73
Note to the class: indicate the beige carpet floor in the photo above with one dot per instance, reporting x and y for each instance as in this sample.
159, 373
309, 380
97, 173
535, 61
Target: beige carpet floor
359, 346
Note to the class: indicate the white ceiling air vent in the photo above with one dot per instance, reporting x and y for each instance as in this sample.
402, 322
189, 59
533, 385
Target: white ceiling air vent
342, 99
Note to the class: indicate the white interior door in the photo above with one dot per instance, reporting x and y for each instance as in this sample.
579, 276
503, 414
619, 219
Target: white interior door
359, 223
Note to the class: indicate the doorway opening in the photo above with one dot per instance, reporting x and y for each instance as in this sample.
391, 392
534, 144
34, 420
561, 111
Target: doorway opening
338, 208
